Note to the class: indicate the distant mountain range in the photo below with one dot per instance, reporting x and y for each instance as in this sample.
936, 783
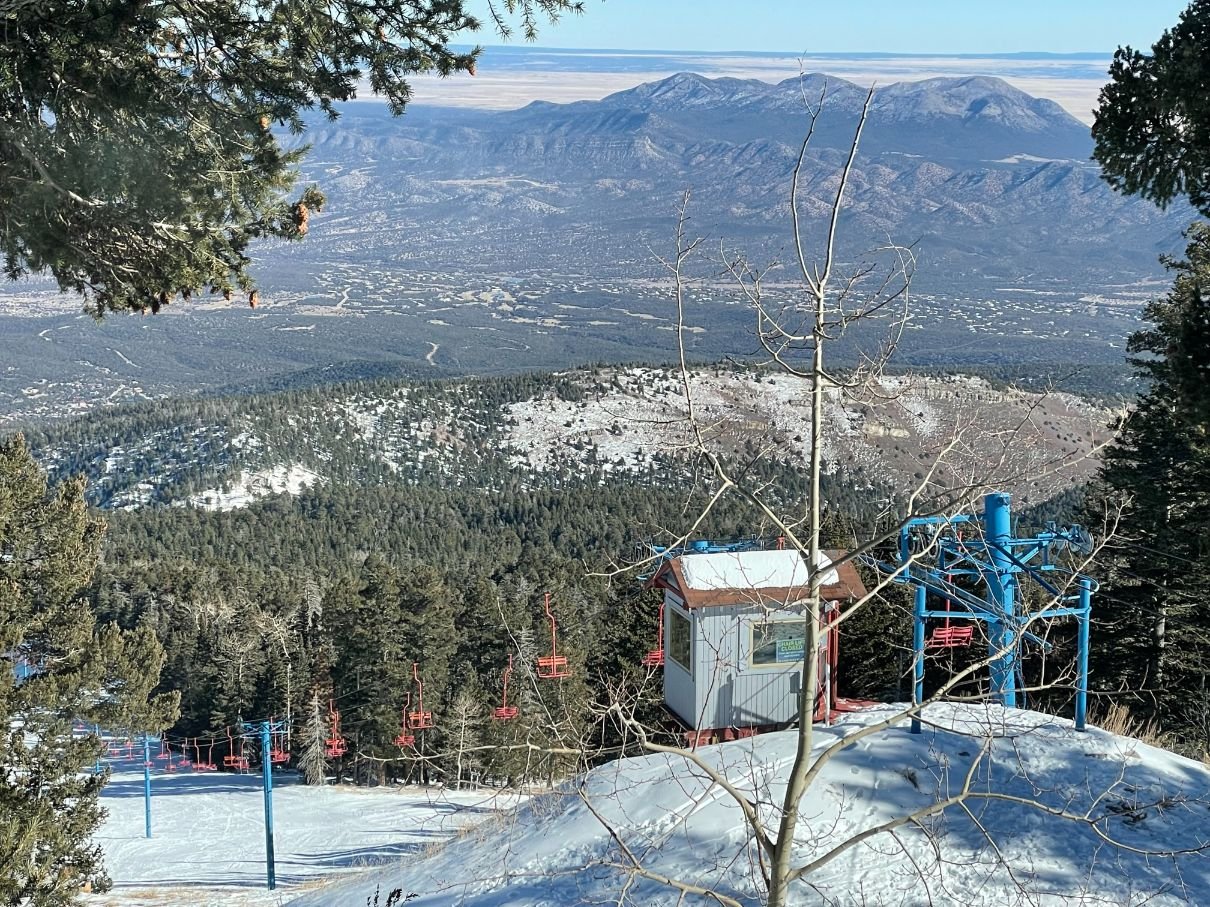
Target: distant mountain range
984, 178
461, 241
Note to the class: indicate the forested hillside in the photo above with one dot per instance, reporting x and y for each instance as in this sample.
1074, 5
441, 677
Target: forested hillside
423, 522
543, 430
338, 590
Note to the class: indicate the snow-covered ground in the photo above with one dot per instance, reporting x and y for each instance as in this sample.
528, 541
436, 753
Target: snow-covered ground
562, 848
208, 845
559, 848
291, 478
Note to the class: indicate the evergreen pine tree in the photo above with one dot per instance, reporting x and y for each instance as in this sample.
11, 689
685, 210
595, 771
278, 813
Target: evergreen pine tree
1152, 127
56, 667
176, 210
1156, 604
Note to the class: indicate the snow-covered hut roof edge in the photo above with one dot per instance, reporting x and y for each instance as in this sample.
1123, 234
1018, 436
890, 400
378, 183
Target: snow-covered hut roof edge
768, 578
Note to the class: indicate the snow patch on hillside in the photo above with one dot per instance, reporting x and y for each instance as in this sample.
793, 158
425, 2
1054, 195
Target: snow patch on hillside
563, 848
398, 434
633, 419
249, 486
1023, 158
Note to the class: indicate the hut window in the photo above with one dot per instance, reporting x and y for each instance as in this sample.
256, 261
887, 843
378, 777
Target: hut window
679, 638
778, 642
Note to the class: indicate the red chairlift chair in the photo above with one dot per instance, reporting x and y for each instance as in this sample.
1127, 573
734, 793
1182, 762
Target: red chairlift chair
506, 712
335, 745
947, 637
655, 658
420, 719
235, 757
277, 750
950, 637
165, 753
200, 764
553, 665
405, 737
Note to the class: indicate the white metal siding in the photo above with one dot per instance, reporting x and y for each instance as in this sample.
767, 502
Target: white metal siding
730, 692
678, 682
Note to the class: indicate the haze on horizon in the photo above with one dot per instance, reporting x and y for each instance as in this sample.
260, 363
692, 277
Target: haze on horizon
510, 76
618, 44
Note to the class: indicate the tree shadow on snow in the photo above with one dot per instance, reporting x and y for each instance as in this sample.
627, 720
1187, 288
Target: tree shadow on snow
1147, 801
180, 786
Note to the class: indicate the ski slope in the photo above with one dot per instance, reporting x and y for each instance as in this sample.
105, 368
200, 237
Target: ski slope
208, 845
560, 849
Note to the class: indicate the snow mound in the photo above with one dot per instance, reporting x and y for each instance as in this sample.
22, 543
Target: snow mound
567, 847
249, 486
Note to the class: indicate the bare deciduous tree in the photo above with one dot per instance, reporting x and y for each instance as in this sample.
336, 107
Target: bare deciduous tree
795, 333
312, 756
465, 719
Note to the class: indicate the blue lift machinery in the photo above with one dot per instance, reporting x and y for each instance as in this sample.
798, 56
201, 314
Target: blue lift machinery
974, 570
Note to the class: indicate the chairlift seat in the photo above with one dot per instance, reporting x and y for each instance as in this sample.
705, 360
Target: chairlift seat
951, 637
405, 739
553, 665
420, 720
550, 666
654, 659
336, 746
504, 711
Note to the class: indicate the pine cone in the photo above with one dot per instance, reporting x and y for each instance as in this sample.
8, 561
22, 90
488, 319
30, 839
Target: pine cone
301, 217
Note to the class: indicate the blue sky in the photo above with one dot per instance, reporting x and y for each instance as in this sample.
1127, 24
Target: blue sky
851, 26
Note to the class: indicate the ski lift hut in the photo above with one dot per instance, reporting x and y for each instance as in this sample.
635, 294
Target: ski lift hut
734, 637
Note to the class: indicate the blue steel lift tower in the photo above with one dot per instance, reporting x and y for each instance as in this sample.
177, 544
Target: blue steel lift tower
992, 562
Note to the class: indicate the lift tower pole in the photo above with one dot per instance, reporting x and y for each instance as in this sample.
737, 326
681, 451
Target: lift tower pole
1002, 584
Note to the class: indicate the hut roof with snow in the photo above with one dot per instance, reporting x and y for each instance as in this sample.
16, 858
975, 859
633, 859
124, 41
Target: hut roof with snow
771, 579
